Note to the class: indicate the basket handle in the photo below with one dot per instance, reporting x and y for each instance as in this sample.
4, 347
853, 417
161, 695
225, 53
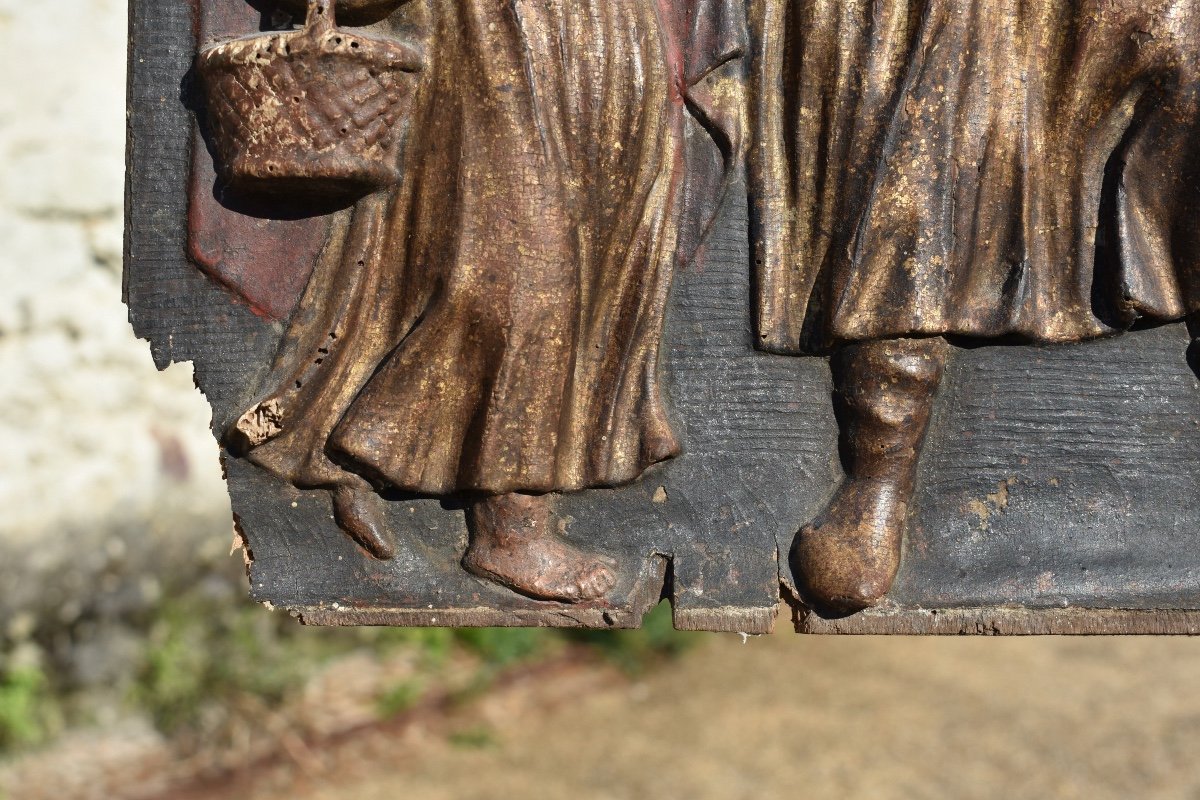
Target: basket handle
320, 16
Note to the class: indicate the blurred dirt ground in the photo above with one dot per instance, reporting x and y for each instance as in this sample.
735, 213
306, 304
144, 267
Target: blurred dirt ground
788, 716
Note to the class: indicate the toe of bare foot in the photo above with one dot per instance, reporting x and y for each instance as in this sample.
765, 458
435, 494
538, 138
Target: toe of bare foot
846, 560
596, 581
832, 580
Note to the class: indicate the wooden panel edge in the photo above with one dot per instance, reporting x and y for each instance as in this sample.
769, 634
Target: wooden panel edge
1005, 621
727, 619
481, 617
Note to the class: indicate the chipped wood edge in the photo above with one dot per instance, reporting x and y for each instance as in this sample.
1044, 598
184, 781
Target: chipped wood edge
1005, 621
727, 619
480, 617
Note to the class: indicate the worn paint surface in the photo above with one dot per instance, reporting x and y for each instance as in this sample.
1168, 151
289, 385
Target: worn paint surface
1052, 481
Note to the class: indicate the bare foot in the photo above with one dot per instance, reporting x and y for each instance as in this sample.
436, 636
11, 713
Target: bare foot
360, 513
513, 542
847, 558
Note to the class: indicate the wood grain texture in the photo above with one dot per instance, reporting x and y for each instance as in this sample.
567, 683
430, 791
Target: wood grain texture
1008, 622
1057, 490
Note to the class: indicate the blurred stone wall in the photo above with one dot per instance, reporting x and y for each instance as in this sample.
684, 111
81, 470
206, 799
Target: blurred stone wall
110, 488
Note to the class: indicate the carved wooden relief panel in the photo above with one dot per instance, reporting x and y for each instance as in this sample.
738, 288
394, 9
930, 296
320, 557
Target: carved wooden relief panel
538, 311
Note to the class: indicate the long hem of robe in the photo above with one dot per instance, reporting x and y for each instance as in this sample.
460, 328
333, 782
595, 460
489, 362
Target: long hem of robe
499, 331
992, 169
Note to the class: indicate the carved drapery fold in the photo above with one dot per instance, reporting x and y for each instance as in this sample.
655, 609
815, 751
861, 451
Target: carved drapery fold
987, 169
493, 323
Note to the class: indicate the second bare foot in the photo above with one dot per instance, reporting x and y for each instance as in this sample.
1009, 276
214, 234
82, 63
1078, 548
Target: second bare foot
846, 559
514, 542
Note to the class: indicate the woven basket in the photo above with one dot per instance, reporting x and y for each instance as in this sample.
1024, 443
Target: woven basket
317, 111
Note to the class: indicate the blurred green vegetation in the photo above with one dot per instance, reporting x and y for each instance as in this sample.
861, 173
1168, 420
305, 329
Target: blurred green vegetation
476, 737
635, 651
28, 712
400, 698
207, 660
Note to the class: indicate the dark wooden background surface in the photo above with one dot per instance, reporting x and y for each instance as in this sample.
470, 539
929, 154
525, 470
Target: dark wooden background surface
1058, 489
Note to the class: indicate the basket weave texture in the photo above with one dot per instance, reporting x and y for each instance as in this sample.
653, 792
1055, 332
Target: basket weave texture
318, 110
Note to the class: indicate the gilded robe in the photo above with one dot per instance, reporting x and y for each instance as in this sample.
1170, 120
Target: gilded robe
493, 324
985, 168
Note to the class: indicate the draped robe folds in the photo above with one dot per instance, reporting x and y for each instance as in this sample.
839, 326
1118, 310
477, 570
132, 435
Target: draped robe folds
986, 168
493, 323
